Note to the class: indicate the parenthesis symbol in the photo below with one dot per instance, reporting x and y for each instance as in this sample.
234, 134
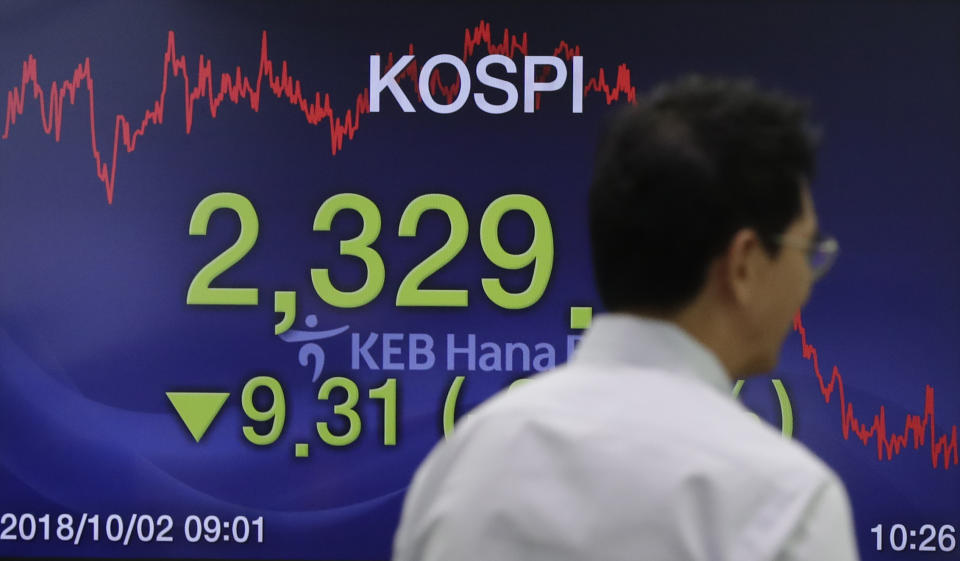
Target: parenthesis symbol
450, 405
786, 409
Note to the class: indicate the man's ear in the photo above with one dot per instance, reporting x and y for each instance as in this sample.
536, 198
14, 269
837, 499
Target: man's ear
741, 265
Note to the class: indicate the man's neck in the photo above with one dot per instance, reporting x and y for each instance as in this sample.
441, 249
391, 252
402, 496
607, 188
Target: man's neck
711, 329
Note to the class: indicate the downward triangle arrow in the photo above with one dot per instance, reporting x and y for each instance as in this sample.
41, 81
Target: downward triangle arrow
197, 409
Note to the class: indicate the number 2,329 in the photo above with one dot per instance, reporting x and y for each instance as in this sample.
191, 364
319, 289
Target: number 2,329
539, 253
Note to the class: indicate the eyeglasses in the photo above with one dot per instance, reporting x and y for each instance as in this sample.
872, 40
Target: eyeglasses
821, 251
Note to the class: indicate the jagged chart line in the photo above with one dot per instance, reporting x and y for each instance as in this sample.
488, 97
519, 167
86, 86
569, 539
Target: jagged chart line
237, 86
920, 427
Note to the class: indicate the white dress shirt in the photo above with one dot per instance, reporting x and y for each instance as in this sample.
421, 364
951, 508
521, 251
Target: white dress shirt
634, 450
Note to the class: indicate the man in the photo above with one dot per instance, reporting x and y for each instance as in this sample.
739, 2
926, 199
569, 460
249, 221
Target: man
705, 245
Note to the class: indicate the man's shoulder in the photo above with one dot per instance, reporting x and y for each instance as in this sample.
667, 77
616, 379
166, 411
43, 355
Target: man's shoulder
645, 419
564, 459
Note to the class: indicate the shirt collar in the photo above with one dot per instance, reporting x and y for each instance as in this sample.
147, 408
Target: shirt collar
642, 341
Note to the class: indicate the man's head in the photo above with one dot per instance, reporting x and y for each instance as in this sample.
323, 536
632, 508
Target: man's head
700, 211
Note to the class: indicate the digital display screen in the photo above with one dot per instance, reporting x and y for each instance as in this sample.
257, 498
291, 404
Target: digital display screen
256, 259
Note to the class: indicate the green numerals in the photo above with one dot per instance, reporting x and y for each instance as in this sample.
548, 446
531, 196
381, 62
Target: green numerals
200, 291
345, 409
410, 293
277, 412
540, 252
358, 247
387, 392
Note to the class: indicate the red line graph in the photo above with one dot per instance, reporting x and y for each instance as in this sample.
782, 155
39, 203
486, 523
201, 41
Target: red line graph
318, 108
920, 427
237, 86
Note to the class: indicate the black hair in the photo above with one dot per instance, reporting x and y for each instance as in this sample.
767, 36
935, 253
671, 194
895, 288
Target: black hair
679, 173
